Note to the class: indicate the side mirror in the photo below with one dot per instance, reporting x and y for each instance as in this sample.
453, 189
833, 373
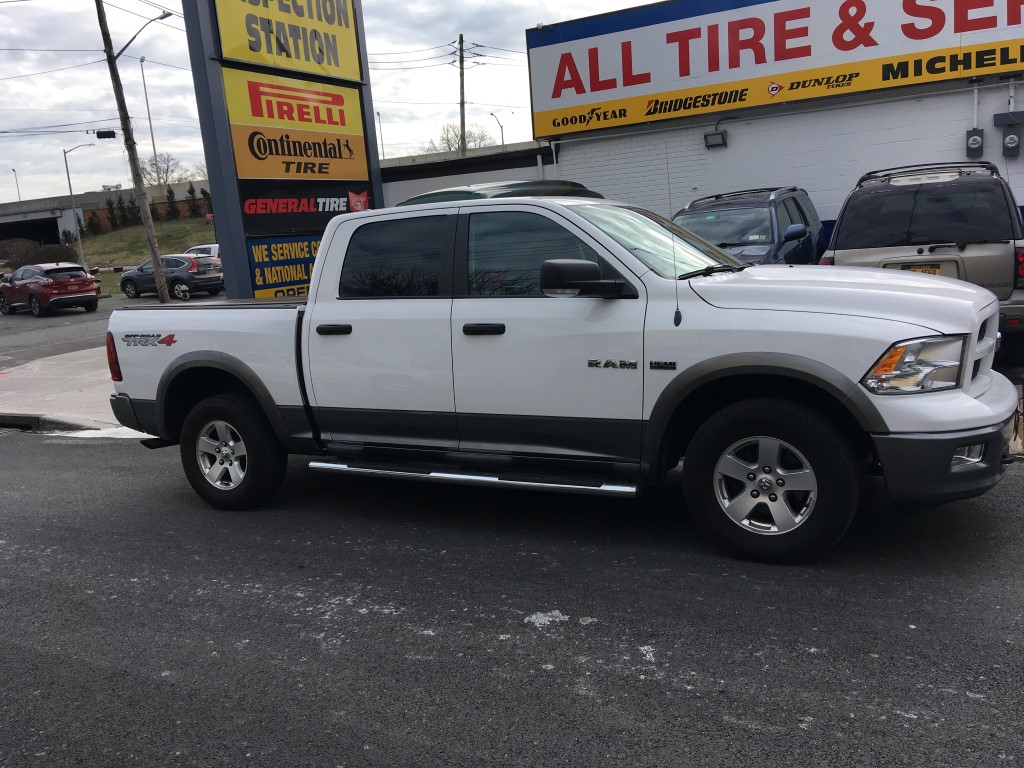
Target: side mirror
577, 277
794, 232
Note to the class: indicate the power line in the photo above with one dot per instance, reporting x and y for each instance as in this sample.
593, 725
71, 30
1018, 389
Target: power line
49, 71
405, 53
495, 48
143, 16
161, 63
54, 50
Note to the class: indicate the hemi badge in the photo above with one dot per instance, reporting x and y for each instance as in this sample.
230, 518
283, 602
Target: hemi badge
662, 365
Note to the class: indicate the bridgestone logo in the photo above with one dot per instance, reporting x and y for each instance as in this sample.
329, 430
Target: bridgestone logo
703, 101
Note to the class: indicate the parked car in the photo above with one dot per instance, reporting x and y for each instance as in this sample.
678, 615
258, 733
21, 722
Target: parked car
535, 188
955, 220
185, 274
208, 249
772, 225
42, 287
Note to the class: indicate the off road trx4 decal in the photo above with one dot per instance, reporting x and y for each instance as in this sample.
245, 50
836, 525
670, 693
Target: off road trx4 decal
147, 339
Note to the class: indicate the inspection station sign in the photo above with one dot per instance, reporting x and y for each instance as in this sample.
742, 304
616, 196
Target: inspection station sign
692, 57
313, 36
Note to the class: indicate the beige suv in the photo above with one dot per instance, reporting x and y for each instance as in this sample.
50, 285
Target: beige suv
956, 220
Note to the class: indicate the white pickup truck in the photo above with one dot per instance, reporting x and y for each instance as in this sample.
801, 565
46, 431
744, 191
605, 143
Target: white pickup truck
581, 345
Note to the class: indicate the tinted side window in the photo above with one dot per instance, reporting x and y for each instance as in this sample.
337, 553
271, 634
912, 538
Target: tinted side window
506, 250
394, 258
782, 214
795, 212
19, 274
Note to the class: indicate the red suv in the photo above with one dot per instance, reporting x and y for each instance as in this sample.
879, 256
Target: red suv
42, 287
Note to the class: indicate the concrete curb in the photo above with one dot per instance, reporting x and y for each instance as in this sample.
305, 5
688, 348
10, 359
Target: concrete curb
34, 423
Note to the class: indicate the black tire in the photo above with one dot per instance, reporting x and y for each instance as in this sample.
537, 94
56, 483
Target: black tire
5, 308
130, 289
214, 291
179, 290
35, 307
221, 477
92, 306
789, 476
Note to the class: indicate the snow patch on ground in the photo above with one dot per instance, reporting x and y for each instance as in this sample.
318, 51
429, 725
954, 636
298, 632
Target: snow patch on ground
543, 619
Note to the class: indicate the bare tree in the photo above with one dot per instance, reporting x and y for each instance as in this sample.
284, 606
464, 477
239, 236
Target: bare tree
449, 140
200, 171
162, 170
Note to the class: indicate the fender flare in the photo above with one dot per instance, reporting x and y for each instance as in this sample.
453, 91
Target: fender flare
847, 394
228, 364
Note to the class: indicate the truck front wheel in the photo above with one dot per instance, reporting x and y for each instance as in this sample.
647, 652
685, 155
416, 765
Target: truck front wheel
230, 454
771, 480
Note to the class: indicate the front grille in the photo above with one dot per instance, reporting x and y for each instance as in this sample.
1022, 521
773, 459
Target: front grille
983, 330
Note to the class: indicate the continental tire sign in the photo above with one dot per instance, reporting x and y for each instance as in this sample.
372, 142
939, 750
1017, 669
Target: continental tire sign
693, 57
283, 128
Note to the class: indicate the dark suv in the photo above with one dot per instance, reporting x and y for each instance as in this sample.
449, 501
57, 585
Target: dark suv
772, 225
955, 220
535, 188
185, 274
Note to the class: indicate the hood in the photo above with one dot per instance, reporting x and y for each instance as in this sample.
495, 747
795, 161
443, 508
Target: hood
748, 254
942, 304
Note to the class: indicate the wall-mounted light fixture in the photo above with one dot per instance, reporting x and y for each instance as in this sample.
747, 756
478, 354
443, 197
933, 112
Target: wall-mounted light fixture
715, 139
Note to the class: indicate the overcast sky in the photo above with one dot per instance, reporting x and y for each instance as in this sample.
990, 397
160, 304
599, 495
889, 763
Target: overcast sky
54, 84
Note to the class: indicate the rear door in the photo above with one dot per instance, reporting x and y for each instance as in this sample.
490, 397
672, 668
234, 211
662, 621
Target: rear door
378, 338
534, 375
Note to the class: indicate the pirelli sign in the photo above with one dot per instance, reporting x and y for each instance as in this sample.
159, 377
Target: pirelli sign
694, 57
283, 128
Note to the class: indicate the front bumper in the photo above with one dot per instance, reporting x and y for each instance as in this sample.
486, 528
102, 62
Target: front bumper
919, 466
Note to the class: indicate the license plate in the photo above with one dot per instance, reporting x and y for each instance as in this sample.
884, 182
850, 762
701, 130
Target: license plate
212, 271
927, 269
72, 287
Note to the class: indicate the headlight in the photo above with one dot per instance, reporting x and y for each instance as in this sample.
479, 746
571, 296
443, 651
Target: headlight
918, 365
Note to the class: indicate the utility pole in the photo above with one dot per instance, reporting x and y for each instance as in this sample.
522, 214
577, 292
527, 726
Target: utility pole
133, 153
462, 97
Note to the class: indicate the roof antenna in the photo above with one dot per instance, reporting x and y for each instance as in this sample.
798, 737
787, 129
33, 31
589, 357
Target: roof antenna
678, 317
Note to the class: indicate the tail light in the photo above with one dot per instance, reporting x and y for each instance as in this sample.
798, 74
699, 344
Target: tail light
192, 267
1020, 267
112, 362
827, 261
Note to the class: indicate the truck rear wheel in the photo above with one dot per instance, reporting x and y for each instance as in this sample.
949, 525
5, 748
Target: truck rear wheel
230, 455
771, 480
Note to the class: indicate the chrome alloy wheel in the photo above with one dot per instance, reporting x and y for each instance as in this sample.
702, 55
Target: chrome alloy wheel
221, 454
765, 485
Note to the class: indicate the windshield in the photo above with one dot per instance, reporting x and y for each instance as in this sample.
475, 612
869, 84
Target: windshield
657, 242
729, 227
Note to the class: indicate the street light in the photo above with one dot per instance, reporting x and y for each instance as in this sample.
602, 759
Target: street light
16, 186
152, 138
129, 145
502, 129
74, 215
380, 130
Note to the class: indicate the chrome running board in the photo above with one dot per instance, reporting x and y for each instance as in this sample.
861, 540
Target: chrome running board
493, 481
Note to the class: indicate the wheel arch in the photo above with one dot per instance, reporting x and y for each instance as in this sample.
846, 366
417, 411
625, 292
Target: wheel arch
196, 376
705, 388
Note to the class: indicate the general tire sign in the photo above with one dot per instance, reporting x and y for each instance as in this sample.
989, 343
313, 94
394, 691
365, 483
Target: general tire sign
693, 57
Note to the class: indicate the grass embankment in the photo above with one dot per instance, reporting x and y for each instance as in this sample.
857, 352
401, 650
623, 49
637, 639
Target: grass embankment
128, 248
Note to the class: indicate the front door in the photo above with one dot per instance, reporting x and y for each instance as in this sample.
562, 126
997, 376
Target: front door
542, 376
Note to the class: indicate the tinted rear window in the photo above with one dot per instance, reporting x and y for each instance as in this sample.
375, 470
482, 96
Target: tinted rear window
962, 211
64, 273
